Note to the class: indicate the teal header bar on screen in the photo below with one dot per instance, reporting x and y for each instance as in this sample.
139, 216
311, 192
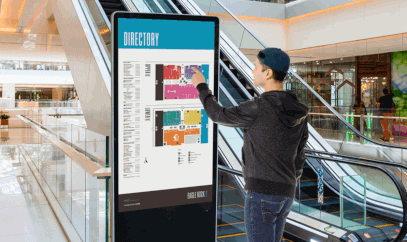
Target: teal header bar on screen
166, 34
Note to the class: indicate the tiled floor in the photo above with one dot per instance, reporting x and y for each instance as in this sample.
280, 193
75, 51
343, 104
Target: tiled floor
25, 214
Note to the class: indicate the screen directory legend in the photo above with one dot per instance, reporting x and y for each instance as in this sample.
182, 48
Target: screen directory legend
165, 136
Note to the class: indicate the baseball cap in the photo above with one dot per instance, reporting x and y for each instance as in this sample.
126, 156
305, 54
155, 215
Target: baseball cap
275, 58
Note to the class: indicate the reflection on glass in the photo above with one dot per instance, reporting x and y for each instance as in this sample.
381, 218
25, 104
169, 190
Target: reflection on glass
353, 202
231, 202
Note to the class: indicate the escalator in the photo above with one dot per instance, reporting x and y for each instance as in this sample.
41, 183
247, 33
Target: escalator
111, 6
236, 85
365, 225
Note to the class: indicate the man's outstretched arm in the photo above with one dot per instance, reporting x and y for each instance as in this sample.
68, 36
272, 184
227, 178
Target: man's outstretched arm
242, 116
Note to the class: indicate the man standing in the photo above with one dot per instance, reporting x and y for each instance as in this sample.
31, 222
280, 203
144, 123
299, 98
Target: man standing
386, 106
275, 133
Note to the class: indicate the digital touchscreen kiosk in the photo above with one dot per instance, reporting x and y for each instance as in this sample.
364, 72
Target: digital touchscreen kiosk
165, 146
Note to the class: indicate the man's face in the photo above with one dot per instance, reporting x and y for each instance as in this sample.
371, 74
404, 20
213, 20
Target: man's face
258, 74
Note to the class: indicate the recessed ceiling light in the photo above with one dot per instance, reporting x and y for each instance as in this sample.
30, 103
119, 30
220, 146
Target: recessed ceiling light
385, 45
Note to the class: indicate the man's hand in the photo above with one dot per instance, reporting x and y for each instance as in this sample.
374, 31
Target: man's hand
197, 78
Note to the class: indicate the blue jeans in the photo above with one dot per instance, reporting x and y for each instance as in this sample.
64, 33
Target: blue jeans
265, 216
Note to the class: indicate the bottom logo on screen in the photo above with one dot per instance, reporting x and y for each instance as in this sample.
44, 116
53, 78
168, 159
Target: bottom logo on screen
197, 194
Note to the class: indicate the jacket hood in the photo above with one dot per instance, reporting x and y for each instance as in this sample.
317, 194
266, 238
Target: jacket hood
288, 108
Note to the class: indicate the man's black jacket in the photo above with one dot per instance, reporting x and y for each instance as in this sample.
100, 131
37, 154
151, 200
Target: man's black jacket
275, 133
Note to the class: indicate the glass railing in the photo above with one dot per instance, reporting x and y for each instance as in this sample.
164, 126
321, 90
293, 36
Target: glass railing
338, 132
372, 122
230, 209
245, 41
82, 198
397, 168
17, 65
353, 205
92, 144
46, 104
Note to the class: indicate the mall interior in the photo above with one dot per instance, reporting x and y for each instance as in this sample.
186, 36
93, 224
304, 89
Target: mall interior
55, 107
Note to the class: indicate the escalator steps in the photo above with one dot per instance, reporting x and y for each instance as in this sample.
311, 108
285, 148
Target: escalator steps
111, 6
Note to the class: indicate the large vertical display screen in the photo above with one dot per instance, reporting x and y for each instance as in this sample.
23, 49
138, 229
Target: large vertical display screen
165, 149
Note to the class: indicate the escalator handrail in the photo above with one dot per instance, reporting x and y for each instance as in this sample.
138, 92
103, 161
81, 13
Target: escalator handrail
339, 116
308, 151
102, 11
400, 187
238, 83
240, 22
230, 170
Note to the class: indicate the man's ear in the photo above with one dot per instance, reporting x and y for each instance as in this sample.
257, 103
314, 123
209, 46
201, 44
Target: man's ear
269, 74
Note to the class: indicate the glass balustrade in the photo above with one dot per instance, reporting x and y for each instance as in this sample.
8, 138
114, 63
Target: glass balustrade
20, 65
82, 197
342, 138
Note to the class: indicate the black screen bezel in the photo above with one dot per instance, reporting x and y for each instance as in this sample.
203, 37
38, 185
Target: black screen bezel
123, 223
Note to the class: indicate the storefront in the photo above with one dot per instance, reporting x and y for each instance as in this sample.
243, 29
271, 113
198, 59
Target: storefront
45, 92
373, 75
333, 80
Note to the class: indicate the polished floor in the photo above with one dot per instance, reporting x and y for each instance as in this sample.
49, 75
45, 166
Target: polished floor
25, 214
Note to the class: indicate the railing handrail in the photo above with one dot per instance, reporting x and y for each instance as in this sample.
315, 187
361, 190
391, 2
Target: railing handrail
360, 115
93, 168
39, 114
240, 22
66, 141
308, 151
230, 170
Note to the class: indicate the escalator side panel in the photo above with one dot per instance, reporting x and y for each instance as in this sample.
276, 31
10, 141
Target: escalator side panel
88, 78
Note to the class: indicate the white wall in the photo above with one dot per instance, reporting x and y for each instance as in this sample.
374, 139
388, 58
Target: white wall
356, 21
271, 32
36, 77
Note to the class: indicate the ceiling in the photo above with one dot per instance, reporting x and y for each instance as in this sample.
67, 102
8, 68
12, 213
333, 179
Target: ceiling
28, 31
